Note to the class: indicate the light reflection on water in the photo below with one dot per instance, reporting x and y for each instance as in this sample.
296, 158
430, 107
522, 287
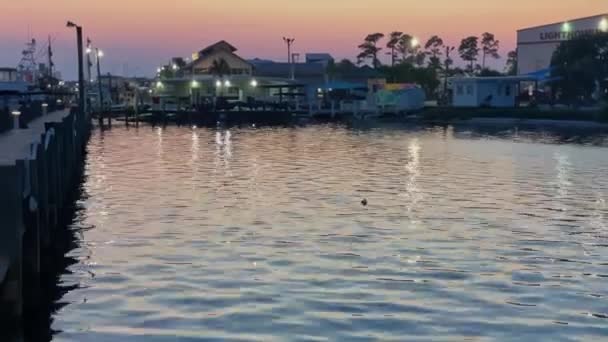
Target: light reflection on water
259, 234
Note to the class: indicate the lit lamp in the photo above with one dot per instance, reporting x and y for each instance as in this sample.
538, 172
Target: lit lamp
194, 84
415, 42
254, 83
45, 107
159, 84
218, 84
227, 83
16, 115
604, 25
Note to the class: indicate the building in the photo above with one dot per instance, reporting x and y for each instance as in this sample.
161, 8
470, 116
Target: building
486, 91
203, 61
323, 58
535, 45
217, 74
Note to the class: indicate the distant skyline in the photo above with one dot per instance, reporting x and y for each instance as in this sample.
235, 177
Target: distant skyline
139, 35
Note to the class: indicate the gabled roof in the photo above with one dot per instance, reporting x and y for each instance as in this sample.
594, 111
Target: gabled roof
221, 45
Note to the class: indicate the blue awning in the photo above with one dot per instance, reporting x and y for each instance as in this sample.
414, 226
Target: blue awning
542, 74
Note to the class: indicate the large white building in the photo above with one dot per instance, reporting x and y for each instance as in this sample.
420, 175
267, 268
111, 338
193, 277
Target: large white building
535, 45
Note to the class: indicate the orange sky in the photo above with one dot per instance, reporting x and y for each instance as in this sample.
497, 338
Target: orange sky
138, 35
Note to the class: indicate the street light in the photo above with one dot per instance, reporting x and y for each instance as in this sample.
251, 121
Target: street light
604, 25
289, 42
414, 42
81, 89
99, 54
16, 115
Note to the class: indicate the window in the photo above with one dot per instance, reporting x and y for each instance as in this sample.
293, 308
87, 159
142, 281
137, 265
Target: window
459, 90
470, 89
508, 90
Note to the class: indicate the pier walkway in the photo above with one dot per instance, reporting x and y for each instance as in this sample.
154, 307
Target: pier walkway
38, 169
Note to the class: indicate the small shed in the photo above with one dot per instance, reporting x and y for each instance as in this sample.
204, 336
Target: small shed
486, 91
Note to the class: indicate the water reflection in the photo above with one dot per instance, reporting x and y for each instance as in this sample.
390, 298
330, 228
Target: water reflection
259, 234
412, 194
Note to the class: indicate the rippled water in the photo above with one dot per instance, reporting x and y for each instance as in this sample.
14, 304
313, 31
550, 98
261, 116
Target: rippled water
259, 234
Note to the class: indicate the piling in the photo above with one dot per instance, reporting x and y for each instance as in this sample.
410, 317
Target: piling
38, 167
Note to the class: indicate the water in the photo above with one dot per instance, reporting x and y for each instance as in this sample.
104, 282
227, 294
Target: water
259, 234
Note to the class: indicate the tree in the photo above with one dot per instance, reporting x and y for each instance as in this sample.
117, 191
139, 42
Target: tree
344, 67
511, 66
393, 42
489, 47
434, 49
409, 49
369, 49
219, 68
579, 64
469, 51
408, 73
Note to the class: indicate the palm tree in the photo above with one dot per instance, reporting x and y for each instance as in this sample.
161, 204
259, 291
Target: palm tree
434, 47
369, 49
219, 68
393, 42
489, 47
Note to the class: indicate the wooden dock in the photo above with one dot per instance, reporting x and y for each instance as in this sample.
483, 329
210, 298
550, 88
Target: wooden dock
39, 166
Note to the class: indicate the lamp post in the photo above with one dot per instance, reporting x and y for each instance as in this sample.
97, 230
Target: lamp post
99, 54
289, 42
16, 115
81, 88
446, 70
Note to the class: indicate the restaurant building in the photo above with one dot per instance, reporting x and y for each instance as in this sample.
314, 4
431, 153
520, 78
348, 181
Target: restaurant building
536, 45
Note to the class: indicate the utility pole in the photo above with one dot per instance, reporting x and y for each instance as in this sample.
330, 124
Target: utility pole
50, 55
89, 64
81, 89
289, 42
99, 54
89, 75
446, 70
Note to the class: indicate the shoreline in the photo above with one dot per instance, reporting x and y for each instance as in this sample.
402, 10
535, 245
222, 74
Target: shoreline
512, 121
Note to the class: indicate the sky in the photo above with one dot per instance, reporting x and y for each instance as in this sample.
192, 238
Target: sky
139, 35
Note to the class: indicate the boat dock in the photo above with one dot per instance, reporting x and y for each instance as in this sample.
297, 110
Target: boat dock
39, 167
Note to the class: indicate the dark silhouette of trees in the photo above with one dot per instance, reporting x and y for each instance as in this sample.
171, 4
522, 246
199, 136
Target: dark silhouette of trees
369, 49
393, 42
580, 65
469, 51
434, 49
489, 47
219, 67
511, 65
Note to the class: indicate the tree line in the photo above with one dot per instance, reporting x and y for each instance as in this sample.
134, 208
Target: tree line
423, 62
405, 48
